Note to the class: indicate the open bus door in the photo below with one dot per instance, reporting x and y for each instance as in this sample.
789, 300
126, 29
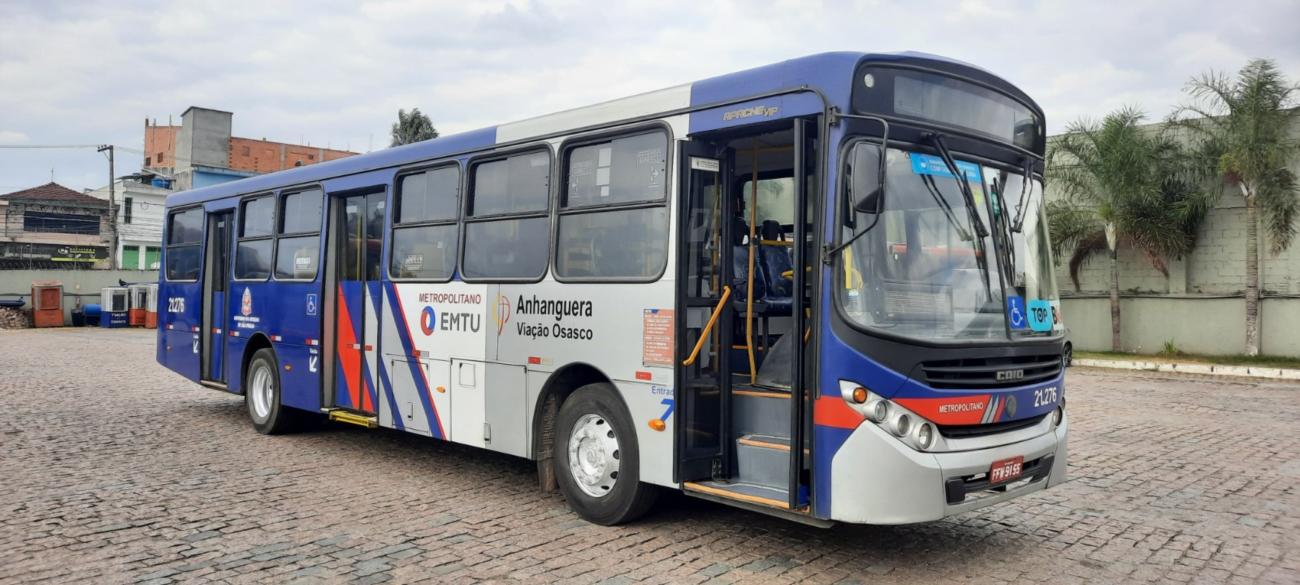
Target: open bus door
703, 301
745, 258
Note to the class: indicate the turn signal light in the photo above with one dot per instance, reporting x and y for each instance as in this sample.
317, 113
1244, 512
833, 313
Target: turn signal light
860, 395
658, 424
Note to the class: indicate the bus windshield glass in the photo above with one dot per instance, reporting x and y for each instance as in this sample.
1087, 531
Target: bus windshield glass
923, 271
1026, 256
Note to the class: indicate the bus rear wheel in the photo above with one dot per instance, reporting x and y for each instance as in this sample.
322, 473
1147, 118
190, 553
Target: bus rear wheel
597, 464
262, 395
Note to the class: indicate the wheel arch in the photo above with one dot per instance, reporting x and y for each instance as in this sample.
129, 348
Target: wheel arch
257, 342
561, 383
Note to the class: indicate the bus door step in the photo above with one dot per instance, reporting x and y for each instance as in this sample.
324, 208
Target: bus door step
353, 418
743, 492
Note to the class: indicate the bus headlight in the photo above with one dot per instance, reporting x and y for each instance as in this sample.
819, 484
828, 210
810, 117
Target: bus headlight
1057, 416
878, 411
902, 424
925, 436
910, 428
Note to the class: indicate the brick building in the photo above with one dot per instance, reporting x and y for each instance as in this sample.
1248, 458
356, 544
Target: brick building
52, 226
201, 151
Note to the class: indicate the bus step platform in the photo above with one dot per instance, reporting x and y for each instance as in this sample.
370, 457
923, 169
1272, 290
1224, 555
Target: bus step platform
353, 418
763, 460
741, 491
760, 411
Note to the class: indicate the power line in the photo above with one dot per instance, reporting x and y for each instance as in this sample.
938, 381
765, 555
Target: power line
46, 146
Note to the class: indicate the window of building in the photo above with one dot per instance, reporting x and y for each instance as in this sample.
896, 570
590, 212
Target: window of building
160, 158
297, 246
131, 257
613, 218
60, 223
151, 258
424, 232
507, 227
256, 242
126, 210
184, 232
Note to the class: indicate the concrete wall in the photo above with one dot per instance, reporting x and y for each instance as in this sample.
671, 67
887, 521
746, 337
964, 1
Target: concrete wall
1206, 324
83, 285
204, 139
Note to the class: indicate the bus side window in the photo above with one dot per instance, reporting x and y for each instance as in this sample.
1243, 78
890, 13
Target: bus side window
253, 252
613, 215
297, 246
506, 224
424, 225
184, 232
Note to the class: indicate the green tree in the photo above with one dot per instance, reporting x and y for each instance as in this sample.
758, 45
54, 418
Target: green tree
412, 127
1245, 128
1123, 186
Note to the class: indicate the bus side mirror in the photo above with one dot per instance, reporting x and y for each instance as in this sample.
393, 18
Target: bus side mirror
868, 186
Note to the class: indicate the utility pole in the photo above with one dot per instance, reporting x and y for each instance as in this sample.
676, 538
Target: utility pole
112, 217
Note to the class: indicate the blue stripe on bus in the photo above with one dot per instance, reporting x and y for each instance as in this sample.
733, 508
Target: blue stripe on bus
376, 299
417, 374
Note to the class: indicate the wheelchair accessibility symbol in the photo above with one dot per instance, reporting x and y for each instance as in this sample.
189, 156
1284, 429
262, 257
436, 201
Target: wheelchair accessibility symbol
1016, 315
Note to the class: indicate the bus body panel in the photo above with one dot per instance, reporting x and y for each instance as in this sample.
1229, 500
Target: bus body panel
879, 480
179, 343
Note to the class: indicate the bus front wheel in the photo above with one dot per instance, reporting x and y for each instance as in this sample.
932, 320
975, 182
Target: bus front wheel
596, 459
262, 394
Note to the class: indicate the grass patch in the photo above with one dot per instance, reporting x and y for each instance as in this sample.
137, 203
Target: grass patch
1270, 361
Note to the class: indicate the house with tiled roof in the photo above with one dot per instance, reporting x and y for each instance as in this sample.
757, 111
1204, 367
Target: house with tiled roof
52, 226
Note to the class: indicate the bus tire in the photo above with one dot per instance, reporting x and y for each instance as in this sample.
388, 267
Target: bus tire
262, 395
595, 432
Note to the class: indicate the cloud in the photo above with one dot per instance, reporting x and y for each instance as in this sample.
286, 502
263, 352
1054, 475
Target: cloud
13, 137
334, 72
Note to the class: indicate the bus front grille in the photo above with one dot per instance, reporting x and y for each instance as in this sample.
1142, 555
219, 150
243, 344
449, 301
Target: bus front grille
1000, 372
975, 431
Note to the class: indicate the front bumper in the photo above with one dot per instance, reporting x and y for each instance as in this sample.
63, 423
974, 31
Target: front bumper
876, 479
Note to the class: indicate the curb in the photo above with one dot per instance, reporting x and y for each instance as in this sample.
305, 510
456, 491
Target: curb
1193, 368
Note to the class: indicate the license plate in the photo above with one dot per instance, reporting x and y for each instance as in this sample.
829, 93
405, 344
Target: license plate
1005, 470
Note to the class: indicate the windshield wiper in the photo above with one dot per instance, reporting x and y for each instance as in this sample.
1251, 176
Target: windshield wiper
928, 181
1026, 185
981, 252
980, 229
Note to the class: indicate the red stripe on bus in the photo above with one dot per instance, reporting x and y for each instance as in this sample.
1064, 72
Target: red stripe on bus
349, 355
831, 411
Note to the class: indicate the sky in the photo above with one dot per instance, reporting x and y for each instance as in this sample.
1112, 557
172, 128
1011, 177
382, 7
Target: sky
335, 72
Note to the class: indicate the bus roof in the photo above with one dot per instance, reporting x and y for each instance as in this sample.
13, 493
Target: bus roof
829, 73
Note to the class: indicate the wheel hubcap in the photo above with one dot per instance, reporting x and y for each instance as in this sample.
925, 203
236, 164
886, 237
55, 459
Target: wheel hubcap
593, 455
261, 388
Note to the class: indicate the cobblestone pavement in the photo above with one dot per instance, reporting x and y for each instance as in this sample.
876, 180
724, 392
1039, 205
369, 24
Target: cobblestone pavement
116, 470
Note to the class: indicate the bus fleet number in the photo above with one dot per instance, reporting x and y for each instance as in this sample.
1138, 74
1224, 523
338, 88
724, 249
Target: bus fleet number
176, 305
1045, 396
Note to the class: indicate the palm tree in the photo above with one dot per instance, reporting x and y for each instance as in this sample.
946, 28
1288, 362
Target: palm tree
412, 127
1244, 126
1124, 186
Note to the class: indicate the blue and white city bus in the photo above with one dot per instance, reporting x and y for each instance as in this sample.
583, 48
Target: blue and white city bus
820, 289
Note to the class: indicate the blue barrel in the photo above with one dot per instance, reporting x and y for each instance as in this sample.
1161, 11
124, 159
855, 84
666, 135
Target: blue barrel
92, 314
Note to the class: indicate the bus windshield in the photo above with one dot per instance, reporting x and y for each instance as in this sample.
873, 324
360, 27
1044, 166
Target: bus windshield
923, 271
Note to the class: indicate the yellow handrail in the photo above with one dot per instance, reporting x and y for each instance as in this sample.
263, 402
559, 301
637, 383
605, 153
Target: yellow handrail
704, 334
